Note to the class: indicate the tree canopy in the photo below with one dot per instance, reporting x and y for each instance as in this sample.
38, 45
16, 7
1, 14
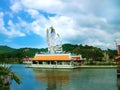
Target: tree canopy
10, 55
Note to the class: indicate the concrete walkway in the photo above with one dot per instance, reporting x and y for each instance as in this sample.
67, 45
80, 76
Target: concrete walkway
98, 66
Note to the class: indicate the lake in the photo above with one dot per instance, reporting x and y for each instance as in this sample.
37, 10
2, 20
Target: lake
65, 79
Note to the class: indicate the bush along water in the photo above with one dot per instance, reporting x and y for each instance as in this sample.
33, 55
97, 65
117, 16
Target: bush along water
6, 76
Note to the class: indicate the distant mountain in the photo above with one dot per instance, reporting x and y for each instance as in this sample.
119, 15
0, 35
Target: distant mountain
86, 51
30, 52
6, 49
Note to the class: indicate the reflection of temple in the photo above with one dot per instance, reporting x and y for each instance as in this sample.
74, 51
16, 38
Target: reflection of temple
53, 78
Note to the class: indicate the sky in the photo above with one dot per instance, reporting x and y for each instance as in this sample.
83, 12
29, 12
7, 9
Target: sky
23, 23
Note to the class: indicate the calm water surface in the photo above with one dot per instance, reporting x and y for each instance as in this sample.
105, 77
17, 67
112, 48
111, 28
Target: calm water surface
65, 79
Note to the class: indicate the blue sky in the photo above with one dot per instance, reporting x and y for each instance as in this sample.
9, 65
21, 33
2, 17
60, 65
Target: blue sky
23, 23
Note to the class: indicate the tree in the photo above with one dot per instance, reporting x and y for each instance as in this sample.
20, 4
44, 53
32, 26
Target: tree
6, 76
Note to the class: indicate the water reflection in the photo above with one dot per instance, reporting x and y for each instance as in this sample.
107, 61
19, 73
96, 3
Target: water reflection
77, 79
118, 82
53, 77
65, 79
118, 78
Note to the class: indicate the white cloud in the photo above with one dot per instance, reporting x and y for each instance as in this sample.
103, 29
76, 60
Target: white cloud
79, 21
47, 5
34, 13
16, 6
100, 44
11, 31
1, 20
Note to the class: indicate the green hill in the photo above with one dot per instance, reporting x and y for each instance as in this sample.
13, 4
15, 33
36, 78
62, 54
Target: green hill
6, 49
9, 55
30, 52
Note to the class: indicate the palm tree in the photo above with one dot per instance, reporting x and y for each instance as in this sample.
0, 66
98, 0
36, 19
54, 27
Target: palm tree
6, 76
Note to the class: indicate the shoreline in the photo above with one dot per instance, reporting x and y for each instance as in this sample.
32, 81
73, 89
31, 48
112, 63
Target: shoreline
99, 66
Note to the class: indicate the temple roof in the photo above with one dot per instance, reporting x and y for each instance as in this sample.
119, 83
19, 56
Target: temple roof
52, 57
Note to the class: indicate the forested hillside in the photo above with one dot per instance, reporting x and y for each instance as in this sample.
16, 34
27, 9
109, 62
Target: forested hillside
5, 49
11, 55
